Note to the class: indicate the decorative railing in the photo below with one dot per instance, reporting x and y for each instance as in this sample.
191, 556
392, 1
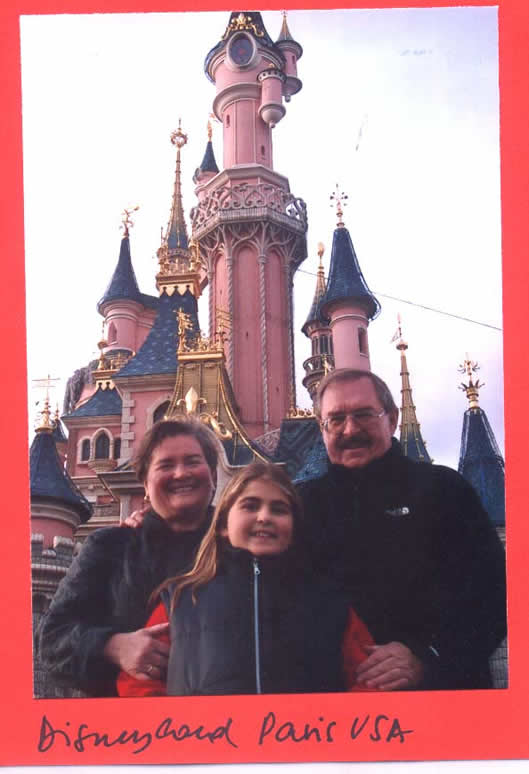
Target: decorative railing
318, 363
230, 200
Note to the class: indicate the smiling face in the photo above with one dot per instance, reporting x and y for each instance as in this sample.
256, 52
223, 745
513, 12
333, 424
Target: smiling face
356, 446
179, 482
260, 520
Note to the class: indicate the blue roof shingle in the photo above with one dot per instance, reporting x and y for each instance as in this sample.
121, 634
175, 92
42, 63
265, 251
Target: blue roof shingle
157, 355
103, 403
346, 280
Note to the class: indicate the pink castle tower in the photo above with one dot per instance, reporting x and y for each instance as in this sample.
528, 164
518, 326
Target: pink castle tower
250, 228
348, 303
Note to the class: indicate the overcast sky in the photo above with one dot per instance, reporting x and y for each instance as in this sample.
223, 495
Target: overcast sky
102, 93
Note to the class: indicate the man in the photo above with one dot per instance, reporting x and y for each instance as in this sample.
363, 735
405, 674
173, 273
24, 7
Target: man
410, 541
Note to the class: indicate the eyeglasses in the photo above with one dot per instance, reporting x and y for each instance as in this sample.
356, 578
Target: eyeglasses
363, 418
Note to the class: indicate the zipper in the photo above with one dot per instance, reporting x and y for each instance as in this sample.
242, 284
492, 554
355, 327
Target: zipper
256, 573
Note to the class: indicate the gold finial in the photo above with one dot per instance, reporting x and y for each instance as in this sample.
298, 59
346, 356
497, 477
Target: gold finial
321, 250
243, 22
56, 418
178, 137
339, 198
46, 425
397, 336
126, 222
210, 131
471, 389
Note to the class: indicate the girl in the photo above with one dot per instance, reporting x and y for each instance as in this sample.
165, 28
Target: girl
249, 617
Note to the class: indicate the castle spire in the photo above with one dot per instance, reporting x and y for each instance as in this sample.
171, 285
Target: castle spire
208, 167
314, 313
123, 284
480, 460
317, 329
178, 258
175, 239
411, 439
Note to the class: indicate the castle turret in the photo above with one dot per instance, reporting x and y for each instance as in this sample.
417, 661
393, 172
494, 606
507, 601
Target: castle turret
316, 328
411, 438
127, 312
57, 506
480, 460
292, 51
57, 509
250, 228
348, 303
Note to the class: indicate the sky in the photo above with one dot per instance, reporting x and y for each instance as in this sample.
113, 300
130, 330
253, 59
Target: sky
103, 92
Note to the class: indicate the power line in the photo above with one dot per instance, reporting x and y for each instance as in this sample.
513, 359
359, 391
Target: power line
427, 308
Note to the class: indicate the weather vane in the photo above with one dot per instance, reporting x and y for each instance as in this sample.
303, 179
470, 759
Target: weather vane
126, 221
339, 199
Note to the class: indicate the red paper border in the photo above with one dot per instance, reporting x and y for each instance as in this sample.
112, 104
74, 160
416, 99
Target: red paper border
465, 725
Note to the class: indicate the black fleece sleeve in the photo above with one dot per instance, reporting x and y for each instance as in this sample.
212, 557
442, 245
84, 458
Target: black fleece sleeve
472, 589
80, 620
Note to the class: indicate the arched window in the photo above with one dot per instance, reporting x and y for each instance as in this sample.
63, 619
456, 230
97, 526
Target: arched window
160, 412
362, 341
85, 450
102, 449
112, 335
324, 345
117, 448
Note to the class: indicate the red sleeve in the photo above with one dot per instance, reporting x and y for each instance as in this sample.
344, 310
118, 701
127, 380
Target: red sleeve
356, 638
127, 685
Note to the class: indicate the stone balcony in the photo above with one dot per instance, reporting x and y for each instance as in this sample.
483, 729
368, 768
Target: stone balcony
232, 202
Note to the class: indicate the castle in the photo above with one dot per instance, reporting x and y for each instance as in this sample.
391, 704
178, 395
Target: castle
246, 241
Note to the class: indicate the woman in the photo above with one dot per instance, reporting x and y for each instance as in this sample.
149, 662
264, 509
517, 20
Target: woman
95, 624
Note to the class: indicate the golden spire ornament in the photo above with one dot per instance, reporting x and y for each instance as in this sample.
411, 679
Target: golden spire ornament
126, 222
339, 200
469, 367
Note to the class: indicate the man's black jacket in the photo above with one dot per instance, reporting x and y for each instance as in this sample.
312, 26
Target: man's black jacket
420, 558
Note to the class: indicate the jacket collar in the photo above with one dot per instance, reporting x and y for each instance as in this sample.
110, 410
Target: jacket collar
157, 528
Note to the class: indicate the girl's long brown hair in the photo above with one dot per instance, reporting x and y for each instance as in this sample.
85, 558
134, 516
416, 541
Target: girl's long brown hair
206, 562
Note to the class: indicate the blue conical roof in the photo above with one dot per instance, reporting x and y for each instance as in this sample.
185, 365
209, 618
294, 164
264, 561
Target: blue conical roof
58, 434
209, 163
48, 478
123, 284
157, 355
481, 463
345, 280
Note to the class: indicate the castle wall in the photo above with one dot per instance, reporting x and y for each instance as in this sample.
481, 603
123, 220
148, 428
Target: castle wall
349, 335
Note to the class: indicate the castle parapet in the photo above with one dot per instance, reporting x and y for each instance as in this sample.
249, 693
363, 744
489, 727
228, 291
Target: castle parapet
245, 201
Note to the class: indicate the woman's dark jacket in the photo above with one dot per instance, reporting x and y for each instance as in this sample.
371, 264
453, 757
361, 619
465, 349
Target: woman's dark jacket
420, 558
260, 626
105, 592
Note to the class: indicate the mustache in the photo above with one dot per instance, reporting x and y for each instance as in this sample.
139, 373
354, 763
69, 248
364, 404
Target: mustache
353, 443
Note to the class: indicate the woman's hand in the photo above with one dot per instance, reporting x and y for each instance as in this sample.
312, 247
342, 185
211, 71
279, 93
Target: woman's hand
141, 653
136, 517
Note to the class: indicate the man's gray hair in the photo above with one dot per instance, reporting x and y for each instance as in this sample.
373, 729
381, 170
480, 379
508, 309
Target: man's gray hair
340, 375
